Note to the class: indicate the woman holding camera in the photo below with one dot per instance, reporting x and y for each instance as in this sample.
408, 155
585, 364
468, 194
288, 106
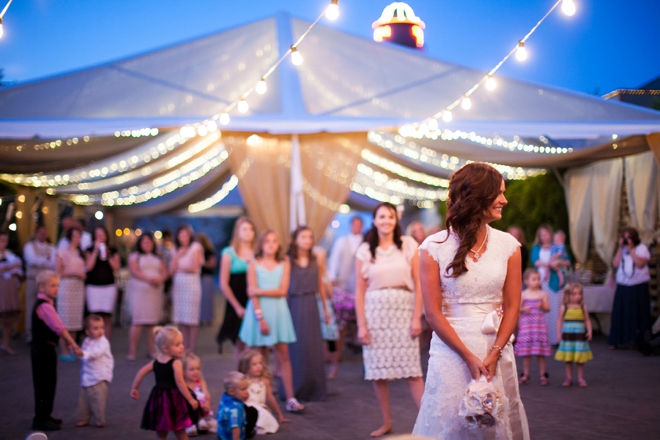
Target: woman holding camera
631, 311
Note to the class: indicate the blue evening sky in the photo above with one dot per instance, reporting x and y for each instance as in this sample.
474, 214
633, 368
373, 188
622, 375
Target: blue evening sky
608, 44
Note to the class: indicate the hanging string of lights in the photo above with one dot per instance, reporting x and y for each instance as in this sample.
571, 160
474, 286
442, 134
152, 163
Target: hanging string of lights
429, 127
2, 14
331, 12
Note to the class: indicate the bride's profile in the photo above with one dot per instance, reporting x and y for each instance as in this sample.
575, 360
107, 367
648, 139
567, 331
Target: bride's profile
471, 283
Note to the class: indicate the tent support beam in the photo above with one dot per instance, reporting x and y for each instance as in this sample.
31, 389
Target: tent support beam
559, 177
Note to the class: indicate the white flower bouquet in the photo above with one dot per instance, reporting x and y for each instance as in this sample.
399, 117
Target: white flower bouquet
481, 404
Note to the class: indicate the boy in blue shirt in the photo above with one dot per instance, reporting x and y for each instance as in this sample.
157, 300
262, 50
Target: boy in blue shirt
236, 421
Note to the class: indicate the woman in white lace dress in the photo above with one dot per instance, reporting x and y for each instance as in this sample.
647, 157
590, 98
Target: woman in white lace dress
388, 307
467, 272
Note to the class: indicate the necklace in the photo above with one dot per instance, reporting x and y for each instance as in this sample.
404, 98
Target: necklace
476, 253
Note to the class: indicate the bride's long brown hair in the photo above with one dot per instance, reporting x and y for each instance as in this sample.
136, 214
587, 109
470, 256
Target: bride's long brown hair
472, 191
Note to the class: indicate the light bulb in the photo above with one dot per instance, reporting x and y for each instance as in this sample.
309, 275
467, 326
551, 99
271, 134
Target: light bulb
261, 87
332, 11
98, 215
224, 118
490, 83
568, 7
447, 116
243, 106
296, 58
521, 52
433, 124
1, 30
466, 103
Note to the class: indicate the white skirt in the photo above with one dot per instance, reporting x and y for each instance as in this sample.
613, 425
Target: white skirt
186, 298
71, 302
101, 299
391, 353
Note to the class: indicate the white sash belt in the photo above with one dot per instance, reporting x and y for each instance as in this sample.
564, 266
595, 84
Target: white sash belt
491, 313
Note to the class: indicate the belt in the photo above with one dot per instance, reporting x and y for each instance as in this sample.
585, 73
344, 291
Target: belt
490, 312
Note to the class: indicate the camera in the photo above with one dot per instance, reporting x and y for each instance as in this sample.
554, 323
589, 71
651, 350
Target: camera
626, 241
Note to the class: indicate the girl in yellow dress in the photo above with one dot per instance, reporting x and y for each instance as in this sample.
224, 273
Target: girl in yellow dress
574, 327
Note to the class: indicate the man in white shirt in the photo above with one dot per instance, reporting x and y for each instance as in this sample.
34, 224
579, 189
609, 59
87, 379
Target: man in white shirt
86, 240
341, 265
38, 255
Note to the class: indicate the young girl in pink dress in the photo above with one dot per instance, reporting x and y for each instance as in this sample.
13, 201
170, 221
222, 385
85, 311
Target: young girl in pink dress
533, 334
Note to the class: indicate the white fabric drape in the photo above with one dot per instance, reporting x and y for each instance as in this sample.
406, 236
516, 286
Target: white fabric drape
297, 197
642, 186
606, 179
578, 196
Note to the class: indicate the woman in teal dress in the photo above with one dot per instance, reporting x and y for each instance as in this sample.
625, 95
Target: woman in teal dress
267, 320
233, 281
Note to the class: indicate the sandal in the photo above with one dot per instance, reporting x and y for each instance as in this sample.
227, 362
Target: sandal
567, 383
543, 381
582, 383
292, 405
523, 379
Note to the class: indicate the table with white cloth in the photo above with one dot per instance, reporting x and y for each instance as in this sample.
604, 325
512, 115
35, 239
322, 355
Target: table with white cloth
599, 299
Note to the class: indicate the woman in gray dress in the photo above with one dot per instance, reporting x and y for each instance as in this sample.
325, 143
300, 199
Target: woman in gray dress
309, 382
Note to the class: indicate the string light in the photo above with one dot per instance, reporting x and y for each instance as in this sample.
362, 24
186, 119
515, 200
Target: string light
490, 83
216, 198
296, 58
568, 7
224, 118
261, 87
466, 104
2, 14
332, 11
521, 52
243, 106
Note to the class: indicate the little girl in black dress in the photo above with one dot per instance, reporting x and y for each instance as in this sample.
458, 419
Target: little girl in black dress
170, 400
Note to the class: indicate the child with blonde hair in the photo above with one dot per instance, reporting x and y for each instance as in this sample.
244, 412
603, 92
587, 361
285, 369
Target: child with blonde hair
236, 420
47, 329
252, 365
532, 337
202, 419
96, 372
574, 327
170, 400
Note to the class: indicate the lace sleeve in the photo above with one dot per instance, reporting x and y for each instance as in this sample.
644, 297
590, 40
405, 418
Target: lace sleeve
432, 245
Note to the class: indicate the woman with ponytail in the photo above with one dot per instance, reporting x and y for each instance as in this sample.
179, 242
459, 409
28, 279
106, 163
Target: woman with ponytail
471, 284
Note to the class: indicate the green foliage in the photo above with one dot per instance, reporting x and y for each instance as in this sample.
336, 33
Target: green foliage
533, 202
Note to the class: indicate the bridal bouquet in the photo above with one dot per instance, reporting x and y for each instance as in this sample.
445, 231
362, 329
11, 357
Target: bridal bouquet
481, 404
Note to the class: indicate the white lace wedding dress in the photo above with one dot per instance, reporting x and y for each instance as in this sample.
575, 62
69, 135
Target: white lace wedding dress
448, 376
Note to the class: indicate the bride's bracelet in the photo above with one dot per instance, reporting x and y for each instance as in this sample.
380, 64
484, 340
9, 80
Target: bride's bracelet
498, 348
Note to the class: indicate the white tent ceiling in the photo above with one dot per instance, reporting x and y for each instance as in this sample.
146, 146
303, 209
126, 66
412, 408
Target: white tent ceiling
346, 84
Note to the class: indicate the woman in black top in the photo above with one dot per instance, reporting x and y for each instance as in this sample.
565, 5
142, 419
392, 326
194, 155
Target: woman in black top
101, 262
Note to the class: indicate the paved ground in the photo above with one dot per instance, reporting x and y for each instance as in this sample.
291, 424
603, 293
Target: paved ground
621, 402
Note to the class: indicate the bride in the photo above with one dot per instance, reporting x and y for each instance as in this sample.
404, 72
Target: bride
467, 271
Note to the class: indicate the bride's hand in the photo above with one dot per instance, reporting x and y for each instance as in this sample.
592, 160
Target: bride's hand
491, 363
477, 368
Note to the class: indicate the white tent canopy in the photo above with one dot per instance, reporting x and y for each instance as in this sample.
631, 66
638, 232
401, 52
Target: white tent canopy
70, 124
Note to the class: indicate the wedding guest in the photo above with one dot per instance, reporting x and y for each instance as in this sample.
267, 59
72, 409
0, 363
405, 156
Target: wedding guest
145, 292
66, 224
341, 272
185, 268
631, 311
10, 303
519, 234
101, 263
39, 254
388, 307
416, 230
71, 299
541, 258
208, 285
233, 281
